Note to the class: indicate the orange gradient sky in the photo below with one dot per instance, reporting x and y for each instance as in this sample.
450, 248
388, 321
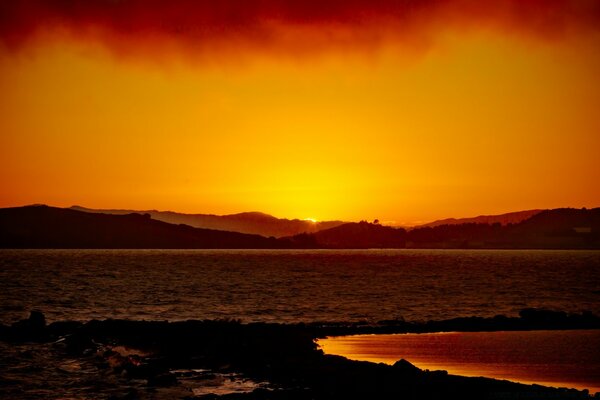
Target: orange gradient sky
328, 110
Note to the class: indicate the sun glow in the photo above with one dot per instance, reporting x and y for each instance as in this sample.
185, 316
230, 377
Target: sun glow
313, 220
477, 118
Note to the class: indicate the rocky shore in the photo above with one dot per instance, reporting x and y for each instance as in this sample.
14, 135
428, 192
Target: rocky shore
159, 359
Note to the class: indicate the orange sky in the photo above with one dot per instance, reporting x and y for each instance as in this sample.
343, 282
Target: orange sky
330, 110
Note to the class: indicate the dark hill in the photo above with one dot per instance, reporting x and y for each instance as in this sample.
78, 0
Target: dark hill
563, 221
563, 228
248, 222
502, 219
550, 229
357, 235
50, 227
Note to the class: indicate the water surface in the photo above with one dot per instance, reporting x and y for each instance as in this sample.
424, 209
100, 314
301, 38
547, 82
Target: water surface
294, 285
551, 358
275, 286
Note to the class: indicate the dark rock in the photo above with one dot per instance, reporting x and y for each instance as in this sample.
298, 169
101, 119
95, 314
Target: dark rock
287, 357
406, 367
63, 328
541, 315
209, 396
32, 329
37, 320
132, 394
78, 344
439, 373
4, 332
166, 379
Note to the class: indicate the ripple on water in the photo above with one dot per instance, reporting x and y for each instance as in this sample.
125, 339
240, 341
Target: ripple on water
551, 358
293, 286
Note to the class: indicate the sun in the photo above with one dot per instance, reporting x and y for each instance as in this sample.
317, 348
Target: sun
313, 220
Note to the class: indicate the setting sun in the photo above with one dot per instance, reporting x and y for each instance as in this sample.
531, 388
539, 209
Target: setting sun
422, 122
299, 199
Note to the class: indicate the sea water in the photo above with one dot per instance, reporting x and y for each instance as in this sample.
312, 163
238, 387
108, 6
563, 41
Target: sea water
294, 285
568, 359
284, 286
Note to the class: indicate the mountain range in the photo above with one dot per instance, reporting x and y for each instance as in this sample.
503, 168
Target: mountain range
502, 219
248, 222
51, 227
42, 226
267, 225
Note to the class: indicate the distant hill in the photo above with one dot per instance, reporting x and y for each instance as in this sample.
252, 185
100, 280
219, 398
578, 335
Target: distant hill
355, 235
247, 222
50, 227
502, 219
562, 228
550, 229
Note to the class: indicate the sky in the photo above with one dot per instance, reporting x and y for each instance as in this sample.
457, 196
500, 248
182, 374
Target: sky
404, 111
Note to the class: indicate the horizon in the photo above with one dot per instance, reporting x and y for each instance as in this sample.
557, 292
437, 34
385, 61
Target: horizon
407, 113
194, 193
381, 222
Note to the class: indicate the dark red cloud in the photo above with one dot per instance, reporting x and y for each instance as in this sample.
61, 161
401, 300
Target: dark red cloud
292, 26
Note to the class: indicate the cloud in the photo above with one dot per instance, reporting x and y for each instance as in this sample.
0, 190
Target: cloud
205, 27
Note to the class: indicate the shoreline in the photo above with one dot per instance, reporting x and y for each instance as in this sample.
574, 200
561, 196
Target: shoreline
285, 355
556, 358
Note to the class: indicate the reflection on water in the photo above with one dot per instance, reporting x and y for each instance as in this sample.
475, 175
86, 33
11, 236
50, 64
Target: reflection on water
45, 371
552, 358
294, 286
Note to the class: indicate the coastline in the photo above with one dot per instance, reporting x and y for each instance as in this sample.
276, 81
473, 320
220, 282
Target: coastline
284, 355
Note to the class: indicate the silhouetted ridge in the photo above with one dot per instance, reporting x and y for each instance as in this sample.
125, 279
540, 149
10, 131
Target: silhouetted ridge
502, 219
359, 235
553, 229
50, 227
247, 222
564, 221
285, 355
561, 228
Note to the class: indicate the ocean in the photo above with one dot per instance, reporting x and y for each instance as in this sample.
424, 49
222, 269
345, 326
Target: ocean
568, 358
282, 286
294, 285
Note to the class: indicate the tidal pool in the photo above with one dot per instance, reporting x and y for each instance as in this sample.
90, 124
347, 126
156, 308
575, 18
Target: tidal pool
551, 358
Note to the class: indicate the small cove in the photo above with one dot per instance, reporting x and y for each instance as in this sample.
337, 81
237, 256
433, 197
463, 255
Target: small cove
551, 358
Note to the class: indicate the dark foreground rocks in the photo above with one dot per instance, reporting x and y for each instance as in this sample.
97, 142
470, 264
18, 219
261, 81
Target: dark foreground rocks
164, 354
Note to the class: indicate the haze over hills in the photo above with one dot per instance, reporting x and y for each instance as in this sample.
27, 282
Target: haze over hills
354, 235
51, 227
248, 222
565, 228
502, 219
562, 228
267, 225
